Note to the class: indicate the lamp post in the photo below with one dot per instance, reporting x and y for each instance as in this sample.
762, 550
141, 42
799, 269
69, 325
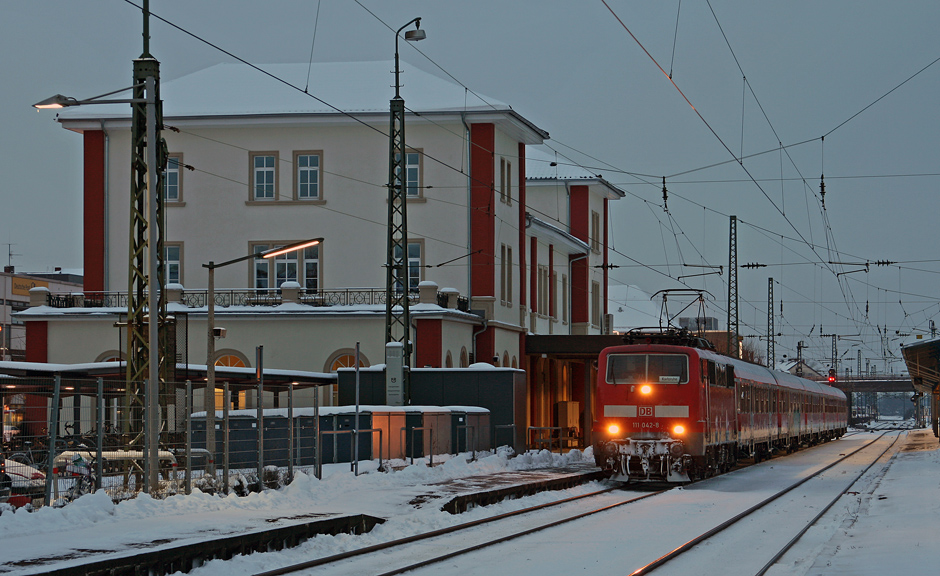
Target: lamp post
396, 263
153, 226
210, 321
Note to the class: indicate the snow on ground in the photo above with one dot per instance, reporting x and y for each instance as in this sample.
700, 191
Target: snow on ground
94, 523
889, 527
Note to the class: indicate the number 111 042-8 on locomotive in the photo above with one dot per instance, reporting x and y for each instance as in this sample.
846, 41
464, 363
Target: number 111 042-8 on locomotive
673, 410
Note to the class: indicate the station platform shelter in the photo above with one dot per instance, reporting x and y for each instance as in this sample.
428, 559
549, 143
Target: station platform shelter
923, 364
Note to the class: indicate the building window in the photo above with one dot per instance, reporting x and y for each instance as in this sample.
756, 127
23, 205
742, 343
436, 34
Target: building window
508, 274
502, 273
505, 181
564, 298
414, 265
543, 290
173, 179
302, 267
307, 175
312, 268
595, 303
554, 296
505, 274
595, 232
173, 260
263, 175
285, 268
412, 177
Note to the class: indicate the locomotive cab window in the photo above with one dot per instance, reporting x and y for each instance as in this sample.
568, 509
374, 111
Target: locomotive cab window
647, 369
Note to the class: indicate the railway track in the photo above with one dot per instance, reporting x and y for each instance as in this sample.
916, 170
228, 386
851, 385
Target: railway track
685, 556
378, 551
460, 541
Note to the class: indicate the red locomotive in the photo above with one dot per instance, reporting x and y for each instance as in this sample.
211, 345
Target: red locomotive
672, 409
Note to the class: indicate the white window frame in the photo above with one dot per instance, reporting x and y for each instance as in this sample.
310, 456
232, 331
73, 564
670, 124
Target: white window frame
412, 181
300, 171
290, 267
415, 264
171, 263
270, 191
173, 179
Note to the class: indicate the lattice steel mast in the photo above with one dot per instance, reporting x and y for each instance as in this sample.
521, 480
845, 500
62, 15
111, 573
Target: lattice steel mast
771, 353
733, 289
397, 282
146, 303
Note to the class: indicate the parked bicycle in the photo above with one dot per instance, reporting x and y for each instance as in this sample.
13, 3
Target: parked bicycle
82, 469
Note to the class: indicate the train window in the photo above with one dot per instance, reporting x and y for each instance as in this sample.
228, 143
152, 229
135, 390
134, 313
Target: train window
647, 369
668, 368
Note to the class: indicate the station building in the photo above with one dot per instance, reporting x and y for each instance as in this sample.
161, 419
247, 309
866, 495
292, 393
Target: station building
504, 241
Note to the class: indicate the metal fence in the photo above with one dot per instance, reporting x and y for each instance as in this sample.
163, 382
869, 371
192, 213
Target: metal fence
63, 438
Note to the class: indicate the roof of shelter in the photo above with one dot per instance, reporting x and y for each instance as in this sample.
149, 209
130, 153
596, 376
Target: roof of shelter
923, 364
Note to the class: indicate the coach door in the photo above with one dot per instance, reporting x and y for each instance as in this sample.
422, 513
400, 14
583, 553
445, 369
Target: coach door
706, 380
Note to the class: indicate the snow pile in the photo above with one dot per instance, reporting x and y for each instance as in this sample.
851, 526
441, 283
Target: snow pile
338, 492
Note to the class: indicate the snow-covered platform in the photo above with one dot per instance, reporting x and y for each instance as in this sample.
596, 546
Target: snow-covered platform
95, 536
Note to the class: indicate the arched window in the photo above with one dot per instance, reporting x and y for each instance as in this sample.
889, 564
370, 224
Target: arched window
506, 359
345, 358
514, 363
110, 356
464, 357
449, 360
232, 358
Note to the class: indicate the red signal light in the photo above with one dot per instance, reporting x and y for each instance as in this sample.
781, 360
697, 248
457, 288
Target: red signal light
832, 379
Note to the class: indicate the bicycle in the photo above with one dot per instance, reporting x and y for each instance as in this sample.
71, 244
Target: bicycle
82, 470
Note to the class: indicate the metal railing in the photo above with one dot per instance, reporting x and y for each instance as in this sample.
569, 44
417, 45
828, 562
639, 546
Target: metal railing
555, 433
241, 297
430, 432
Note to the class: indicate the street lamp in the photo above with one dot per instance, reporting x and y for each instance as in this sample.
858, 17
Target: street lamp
396, 271
148, 73
210, 321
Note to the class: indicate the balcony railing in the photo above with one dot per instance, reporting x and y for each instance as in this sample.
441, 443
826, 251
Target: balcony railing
242, 297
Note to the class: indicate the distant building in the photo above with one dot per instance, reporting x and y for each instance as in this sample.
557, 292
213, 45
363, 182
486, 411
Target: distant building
699, 324
793, 367
14, 297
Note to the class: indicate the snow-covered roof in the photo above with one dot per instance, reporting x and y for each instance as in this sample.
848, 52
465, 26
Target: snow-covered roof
554, 235
542, 167
336, 88
284, 309
90, 369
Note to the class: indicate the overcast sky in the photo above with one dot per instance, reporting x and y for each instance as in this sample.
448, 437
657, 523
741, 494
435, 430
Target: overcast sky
574, 70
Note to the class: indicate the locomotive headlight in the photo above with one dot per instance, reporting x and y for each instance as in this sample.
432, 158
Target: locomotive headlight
679, 429
646, 389
613, 429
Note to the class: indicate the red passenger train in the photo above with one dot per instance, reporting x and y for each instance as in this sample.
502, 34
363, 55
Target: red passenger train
672, 409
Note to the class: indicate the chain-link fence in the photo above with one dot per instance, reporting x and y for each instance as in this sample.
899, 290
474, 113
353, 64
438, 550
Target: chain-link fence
66, 437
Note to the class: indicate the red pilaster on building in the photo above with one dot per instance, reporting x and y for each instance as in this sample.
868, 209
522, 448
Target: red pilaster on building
429, 338
94, 210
